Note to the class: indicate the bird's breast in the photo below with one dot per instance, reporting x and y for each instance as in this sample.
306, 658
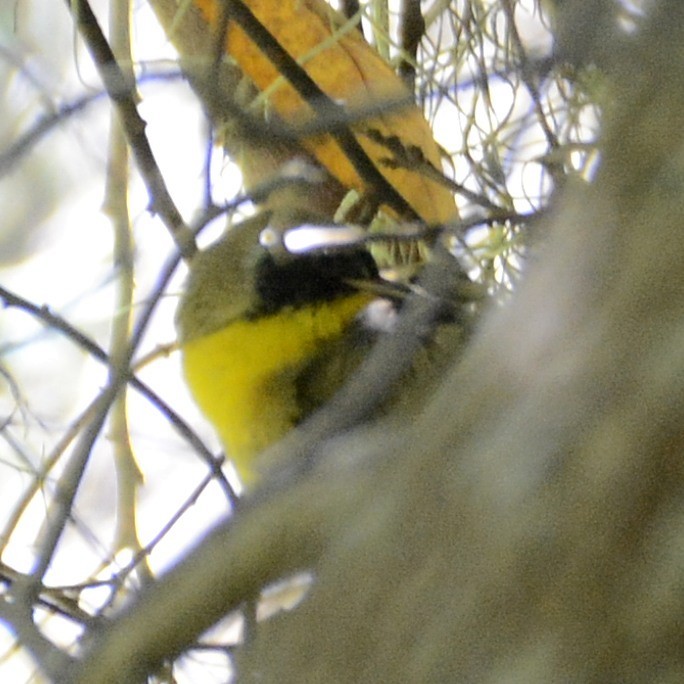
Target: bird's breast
243, 376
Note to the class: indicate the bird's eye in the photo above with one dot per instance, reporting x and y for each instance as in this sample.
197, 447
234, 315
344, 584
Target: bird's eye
273, 242
270, 239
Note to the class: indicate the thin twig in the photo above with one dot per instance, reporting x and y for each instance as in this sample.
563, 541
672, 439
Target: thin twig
121, 90
411, 31
56, 322
128, 475
556, 171
45, 124
53, 661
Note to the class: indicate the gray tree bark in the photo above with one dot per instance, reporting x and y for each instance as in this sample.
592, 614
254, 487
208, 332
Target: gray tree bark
529, 525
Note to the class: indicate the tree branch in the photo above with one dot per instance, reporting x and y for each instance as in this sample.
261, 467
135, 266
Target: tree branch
121, 91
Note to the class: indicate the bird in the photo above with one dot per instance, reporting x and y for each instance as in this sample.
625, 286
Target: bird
267, 335
250, 322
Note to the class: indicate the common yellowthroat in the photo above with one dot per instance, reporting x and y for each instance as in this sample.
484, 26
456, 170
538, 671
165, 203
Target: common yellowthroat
251, 324
266, 338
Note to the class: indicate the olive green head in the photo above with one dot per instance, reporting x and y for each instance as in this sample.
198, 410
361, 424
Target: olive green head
237, 278
220, 284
